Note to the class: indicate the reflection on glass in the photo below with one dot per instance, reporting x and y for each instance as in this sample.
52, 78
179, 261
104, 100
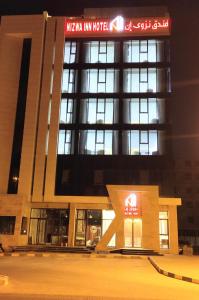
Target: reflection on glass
98, 142
66, 111
100, 51
65, 142
140, 80
100, 111
100, 81
140, 51
70, 52
140, 142
69, 81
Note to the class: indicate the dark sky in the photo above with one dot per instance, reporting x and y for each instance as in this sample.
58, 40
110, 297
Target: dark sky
184, 102
63, 7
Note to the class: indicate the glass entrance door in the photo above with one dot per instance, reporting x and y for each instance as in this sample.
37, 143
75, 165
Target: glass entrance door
133, 233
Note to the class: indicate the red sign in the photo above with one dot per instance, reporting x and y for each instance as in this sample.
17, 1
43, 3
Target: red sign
117, 26
131, 206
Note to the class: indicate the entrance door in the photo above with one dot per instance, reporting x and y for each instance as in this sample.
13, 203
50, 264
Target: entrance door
133, 233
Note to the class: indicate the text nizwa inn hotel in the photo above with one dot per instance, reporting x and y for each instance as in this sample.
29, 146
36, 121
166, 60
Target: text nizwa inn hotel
83, 121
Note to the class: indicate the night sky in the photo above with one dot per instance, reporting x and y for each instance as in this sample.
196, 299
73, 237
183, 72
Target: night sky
184, 102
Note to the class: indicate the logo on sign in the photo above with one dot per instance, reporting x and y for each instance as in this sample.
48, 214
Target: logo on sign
131, 206
117, 24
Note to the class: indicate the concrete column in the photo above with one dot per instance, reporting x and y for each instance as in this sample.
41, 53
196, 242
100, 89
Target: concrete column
71, 229
120, 235
41, 150
150, 220
36, 25
173, 230
54, 124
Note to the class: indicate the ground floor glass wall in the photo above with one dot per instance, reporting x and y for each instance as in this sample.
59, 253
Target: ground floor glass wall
49, 226
91, 226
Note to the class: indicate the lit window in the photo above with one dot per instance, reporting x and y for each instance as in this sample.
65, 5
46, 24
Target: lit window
143, 51
98, 142
70, 52
140, 80
65, 144
69, 81
100, 52
140, 142
66, 111
100, 111
100, 80
143, 110
164, 229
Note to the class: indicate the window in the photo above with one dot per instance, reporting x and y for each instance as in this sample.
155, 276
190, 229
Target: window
143, 110
140, 80
100, 110
136, 51
7, 224
24, 225
164, 229
65, 143
98, 142
100, 52
107, 218
140, 142
88, 227
66, 111
70, 52
100, 81
69, 79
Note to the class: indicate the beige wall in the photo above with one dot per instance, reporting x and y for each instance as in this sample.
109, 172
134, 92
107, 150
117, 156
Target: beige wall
10, 60
54, 124
12, 205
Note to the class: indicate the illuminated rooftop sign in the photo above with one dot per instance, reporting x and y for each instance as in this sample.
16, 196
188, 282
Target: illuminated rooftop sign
117, 26
132, 206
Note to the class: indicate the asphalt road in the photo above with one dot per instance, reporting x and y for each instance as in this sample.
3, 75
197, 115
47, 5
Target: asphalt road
77, 277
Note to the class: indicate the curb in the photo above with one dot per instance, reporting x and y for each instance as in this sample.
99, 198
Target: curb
3, 280
172, 275
64, 255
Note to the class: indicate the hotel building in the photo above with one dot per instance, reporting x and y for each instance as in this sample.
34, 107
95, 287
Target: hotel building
84, 126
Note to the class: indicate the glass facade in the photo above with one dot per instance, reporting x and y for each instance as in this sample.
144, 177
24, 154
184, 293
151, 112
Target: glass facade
91, 226
116, 83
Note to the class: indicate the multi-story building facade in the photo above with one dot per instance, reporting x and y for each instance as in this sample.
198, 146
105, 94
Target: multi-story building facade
84, 122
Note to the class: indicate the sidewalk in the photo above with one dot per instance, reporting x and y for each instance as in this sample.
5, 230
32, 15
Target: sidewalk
184, 266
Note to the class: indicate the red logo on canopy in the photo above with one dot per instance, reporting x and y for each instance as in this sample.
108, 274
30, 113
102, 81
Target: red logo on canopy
131, 207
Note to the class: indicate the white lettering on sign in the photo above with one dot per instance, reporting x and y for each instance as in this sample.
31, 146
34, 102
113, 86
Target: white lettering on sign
118, 25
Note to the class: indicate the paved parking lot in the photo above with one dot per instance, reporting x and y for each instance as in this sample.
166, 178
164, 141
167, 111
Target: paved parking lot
81, 277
